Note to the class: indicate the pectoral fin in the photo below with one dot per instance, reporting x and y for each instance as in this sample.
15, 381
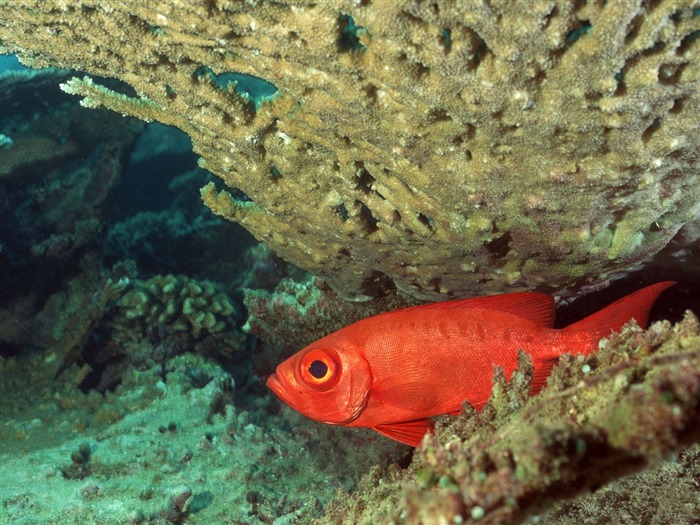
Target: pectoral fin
407, 432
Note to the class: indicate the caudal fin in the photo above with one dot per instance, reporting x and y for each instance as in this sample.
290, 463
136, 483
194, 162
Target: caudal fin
613, 317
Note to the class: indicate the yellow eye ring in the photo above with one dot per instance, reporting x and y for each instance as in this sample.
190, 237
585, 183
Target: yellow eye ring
319, 368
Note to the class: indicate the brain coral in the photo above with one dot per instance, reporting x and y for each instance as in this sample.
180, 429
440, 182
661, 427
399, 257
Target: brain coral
443, 147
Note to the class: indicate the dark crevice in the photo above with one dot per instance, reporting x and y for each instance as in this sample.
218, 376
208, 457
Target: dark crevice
439, 115
371, 91
677, 105
621, 86
417, 69
671, 73
653, 50
634, 27
367, 219
377, 284
365, 180
577, 33
342, 212
649, 132
445, 40
348, 37
554, 13
421, 70
479, 53
499, 247
427, 221
687, 42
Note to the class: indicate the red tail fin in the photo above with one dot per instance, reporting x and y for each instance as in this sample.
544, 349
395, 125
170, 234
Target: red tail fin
613, 317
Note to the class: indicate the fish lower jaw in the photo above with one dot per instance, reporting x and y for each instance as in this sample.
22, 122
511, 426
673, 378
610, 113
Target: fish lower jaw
274, 384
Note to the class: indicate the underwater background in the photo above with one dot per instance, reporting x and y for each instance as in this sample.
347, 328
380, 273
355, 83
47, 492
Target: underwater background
128, 371
137, 330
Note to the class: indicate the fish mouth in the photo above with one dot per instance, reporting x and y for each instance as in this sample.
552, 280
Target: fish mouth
274, 384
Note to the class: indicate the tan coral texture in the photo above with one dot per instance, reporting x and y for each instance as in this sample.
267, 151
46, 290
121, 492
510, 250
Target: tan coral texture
443, 147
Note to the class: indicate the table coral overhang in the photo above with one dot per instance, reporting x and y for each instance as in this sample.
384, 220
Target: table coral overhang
446, 148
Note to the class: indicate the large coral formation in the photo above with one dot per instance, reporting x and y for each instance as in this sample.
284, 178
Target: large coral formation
444, 147
601, 417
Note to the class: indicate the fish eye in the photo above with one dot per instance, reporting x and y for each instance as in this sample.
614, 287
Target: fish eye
319, 368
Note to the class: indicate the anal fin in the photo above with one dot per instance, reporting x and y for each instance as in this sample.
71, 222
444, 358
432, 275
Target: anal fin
539, 378
407, 432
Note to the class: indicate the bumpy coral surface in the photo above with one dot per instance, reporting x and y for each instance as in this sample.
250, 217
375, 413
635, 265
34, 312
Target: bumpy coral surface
179, 302
298, 313
444, 147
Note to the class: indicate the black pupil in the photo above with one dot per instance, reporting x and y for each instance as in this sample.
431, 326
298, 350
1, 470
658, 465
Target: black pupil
318, 369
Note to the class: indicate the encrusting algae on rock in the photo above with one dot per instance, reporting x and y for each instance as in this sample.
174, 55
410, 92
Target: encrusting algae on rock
464, 148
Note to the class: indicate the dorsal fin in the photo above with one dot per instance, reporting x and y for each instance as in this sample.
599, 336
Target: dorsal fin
535, 306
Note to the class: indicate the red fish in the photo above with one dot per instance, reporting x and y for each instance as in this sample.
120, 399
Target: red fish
394, 371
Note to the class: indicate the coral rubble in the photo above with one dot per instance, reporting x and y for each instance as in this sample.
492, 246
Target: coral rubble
444, 148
